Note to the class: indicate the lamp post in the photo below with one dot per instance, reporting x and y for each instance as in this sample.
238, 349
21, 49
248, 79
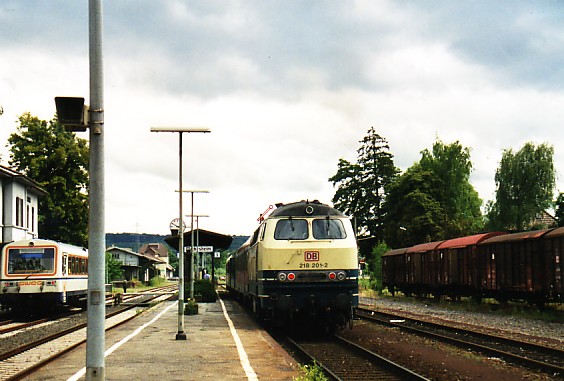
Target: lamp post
181, 335
192, 241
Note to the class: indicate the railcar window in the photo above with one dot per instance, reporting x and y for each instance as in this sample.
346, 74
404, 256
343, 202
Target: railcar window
328, 229
78, 265
291, 229
31, 261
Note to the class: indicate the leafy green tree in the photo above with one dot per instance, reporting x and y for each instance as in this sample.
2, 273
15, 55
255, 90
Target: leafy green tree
461, 202
361, 187
413, 213
113, 268
375, 264
525, 183
433, 200
58, 161
173, 261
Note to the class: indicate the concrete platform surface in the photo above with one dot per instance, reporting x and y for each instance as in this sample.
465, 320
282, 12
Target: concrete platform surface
146, 349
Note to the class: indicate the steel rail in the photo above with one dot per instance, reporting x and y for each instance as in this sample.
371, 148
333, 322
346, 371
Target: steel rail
478, 341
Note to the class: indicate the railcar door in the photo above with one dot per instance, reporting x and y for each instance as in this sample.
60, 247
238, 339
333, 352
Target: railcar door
64, 265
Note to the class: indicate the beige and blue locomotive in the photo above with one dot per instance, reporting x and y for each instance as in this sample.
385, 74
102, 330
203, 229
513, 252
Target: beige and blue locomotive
301, 262
38, 274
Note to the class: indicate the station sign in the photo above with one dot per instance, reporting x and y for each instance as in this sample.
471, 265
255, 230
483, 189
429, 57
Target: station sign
204, 249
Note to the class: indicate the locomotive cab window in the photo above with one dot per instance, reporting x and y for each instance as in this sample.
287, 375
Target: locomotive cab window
291, 229
328, 229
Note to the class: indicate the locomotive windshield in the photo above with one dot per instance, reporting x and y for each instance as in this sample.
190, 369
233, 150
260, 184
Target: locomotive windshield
291, 229
297, 229
328, 229
31, 260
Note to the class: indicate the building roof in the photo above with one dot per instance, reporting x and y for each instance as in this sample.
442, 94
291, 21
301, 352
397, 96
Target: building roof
206, 238
151, 258
155, 249
22, 179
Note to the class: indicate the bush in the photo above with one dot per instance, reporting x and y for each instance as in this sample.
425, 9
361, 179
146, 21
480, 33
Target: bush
157, 282
204, 288
310, 373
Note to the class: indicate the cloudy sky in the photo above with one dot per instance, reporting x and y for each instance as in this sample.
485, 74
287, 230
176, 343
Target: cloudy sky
287, 88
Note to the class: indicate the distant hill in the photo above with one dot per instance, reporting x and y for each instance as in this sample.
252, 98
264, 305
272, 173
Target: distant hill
134, 241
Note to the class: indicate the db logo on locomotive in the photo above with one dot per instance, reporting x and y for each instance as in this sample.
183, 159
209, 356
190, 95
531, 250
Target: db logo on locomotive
311, 256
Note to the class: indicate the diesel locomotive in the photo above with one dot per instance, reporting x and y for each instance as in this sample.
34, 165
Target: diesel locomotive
300, 263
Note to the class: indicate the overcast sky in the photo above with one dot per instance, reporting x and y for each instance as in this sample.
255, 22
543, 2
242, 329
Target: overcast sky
287, 88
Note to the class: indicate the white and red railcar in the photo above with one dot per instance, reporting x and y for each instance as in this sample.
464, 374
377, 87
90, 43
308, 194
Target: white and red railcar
38, 274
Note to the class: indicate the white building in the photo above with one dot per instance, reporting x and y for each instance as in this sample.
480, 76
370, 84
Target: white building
136, 266
19, 207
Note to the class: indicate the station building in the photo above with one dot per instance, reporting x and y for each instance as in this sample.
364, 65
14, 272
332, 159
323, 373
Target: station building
19, 207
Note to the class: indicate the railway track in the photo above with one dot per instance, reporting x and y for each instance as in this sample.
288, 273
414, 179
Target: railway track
13, 327
341, 359
15, 364
532, 356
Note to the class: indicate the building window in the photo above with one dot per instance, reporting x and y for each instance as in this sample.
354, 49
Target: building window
19, 211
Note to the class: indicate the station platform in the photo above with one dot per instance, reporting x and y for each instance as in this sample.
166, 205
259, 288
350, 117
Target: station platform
146, 349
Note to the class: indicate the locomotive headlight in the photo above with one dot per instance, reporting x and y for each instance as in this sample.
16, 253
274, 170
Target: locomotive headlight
281, 277
341, 275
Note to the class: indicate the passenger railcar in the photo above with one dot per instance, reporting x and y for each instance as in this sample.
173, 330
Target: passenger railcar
301, 262
37, 274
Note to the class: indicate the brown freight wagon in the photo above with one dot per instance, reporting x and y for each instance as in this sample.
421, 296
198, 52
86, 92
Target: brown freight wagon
554, 267
456, 266
419, 268
394, 274
513, 266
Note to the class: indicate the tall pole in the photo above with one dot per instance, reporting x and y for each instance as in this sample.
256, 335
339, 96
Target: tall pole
192, 249
95, 339
180, 335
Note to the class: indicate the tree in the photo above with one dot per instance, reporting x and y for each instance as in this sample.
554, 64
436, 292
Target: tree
461, 202
413, 213
525, 183
361, 187
113, 268
58, 161
433, 200
173, 261
375, 264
